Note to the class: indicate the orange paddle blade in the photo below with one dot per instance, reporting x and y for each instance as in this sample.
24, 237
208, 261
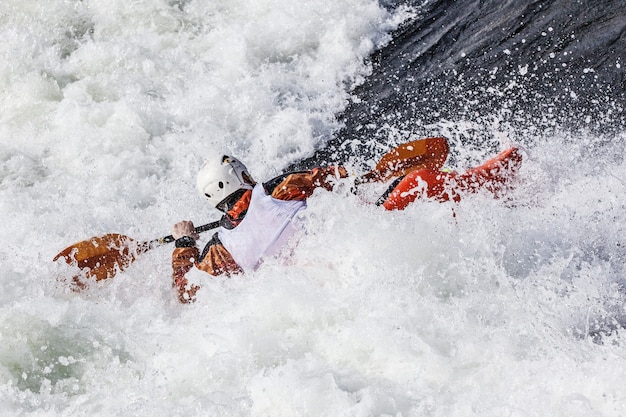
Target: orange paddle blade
102, 257
428, 153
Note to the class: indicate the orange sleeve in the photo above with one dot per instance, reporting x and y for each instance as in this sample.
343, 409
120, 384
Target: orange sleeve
217, 261
182, 262
300, 185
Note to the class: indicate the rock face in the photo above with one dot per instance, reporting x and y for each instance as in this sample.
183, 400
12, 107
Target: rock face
527, 67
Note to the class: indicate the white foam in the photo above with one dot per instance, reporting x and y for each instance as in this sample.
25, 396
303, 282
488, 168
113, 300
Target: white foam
107, 110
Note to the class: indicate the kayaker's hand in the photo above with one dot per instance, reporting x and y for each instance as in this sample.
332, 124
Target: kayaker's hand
184, 228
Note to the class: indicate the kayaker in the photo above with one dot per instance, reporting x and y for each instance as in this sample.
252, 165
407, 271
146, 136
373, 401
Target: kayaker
260, 218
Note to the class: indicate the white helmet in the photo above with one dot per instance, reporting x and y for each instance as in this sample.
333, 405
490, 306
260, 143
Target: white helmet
221, 176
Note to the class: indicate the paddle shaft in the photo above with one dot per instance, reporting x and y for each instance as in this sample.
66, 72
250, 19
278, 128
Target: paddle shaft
169, 238
154, 243
214, 225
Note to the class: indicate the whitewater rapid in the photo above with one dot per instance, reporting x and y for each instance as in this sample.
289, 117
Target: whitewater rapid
511, 307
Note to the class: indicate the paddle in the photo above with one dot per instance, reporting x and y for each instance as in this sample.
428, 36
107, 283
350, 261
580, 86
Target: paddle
102, 257
429, 153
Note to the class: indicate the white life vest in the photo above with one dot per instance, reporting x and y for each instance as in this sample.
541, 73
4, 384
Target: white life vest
266, 228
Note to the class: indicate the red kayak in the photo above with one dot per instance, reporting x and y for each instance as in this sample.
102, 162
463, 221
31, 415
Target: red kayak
441, 186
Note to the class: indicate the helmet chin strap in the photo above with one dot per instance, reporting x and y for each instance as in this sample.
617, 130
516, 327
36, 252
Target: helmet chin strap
229, 202
248, 179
